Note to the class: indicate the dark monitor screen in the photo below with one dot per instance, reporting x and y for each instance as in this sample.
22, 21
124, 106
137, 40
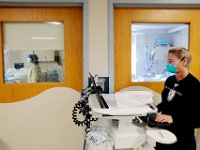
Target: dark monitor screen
18, 65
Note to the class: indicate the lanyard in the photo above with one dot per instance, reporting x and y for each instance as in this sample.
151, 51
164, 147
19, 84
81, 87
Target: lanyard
172, 93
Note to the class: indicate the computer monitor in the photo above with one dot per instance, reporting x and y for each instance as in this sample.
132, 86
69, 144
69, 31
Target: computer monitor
93, 83
100, 99
18, 65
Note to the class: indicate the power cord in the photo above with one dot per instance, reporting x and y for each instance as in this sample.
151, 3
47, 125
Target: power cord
82, 107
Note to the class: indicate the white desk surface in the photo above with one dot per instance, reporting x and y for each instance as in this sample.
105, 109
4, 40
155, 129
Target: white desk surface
115, 110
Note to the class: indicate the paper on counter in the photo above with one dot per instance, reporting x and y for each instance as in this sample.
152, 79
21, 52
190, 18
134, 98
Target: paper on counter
133, 98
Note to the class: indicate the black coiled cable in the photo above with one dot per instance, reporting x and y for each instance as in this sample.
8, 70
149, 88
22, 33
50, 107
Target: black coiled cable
82, 107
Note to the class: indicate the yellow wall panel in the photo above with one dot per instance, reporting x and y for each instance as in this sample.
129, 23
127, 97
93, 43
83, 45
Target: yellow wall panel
73, 22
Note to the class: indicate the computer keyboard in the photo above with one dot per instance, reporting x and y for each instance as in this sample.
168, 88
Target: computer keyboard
102, 102
150, 118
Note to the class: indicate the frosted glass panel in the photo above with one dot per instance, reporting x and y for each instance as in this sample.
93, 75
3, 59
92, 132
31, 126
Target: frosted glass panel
150, 43
33, 52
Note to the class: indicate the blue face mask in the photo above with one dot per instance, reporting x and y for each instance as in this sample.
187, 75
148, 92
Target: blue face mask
171, 68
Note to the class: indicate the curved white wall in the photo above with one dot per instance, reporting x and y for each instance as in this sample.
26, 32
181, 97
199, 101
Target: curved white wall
43, 122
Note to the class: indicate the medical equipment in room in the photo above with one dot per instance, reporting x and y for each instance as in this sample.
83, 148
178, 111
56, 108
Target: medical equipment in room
129, 126
163, 42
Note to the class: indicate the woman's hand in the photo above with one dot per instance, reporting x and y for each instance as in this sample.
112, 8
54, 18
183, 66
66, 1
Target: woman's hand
164, 118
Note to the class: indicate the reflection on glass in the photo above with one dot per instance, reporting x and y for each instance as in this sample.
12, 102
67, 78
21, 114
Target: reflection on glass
150, 43
33, 52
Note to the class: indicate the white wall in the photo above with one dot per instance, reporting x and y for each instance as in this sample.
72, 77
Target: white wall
98, 37
41, 122
33, 36
182, 39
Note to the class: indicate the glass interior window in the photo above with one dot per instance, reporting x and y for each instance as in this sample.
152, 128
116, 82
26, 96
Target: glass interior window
150, 43
33, 52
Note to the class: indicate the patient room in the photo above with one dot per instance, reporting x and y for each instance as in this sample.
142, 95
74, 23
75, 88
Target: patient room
98, 74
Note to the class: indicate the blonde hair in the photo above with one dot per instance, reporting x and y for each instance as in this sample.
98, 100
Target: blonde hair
182, 54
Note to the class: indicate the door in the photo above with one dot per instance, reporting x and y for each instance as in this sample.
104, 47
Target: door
123, 19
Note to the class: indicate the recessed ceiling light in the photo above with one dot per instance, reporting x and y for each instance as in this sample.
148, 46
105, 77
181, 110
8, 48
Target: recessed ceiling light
54, 23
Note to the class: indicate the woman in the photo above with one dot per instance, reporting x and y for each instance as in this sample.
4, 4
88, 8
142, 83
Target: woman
34, 73
180, 99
